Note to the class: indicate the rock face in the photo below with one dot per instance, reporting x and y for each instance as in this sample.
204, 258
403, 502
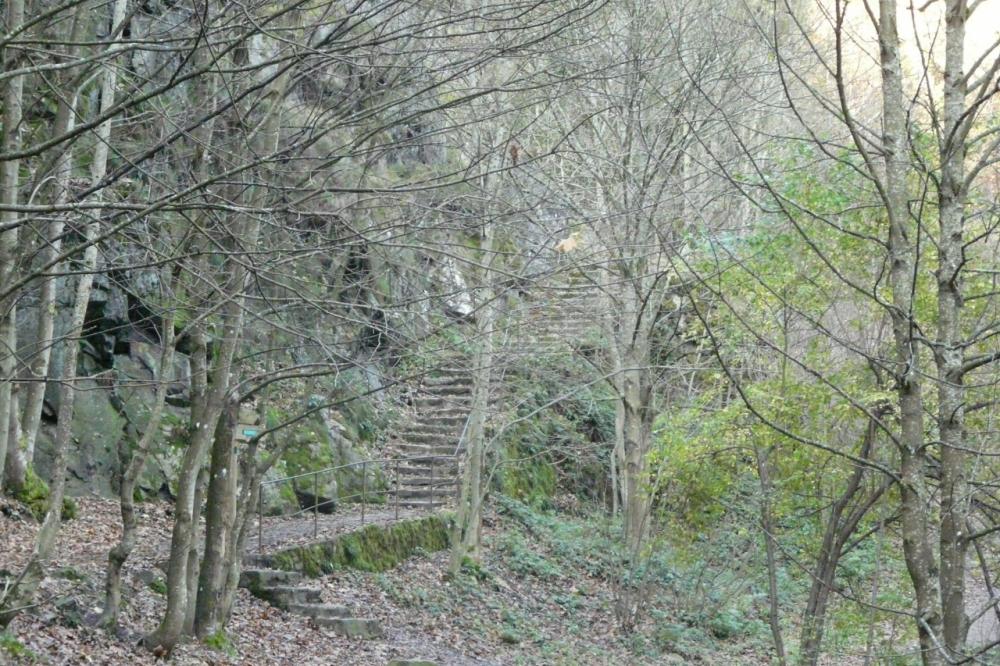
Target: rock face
321, 442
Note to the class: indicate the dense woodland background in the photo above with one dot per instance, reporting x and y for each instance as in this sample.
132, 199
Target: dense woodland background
721, 279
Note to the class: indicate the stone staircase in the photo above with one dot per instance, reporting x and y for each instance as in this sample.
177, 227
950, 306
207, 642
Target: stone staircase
559, 322
428, 477
285, 590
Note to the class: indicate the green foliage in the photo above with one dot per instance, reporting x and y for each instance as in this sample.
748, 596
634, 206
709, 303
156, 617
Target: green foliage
220, 642
158, 585
556, 441
35, 495
571, 544
15, 648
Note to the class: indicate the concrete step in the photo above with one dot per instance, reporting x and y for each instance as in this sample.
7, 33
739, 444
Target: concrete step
442, 480
436, 427
319, 611
441, 469
412, 437
283, 596
257, 578
440, 415
353, 627
450, 402
423, 504
420, 466
449, 390
428, 450
423, 494
464, 379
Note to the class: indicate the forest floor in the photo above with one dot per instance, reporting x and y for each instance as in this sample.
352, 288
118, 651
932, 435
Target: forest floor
533, 600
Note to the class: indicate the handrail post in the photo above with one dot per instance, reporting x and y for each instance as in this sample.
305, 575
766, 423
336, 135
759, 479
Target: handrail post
260, 518
430, 502
315, 505
364, 488
397, 489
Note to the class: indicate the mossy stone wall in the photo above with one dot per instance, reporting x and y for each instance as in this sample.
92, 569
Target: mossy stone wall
372, 548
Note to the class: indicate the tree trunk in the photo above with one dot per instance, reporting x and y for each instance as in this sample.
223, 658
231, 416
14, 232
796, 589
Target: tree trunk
918, 553
767, 525
466, 535
637, 426
45, 540
9, 181
219, 521
126, 492
15, 469
949, 351
45, 326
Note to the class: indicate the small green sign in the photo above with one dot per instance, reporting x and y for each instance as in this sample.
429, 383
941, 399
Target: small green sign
249, 432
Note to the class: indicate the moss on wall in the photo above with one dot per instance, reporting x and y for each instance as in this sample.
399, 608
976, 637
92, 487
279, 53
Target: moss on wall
372, 548
526, 475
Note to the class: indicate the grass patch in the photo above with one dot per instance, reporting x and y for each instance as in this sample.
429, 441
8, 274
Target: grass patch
15, 648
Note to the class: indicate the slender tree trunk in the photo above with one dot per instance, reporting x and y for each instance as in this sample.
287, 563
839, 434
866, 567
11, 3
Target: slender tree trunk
45, 326
468, 516
9, 182
219, 521
767, 524
14, 469
637, 428
193, 561
45, 540
949, 351
126, 493
917, 550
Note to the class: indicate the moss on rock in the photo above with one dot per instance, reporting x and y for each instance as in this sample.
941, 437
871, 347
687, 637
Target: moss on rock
372, 548
35, 495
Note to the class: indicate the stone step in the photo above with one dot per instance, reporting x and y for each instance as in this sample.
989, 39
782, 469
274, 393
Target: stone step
428, 450
411, 437
449, 390
423, 494
421, 467
424, 504
441, 427
444, 417
257, 578
442, 468
426, 481
447, 403
283, 596
353, 627
464, 379
319, 611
